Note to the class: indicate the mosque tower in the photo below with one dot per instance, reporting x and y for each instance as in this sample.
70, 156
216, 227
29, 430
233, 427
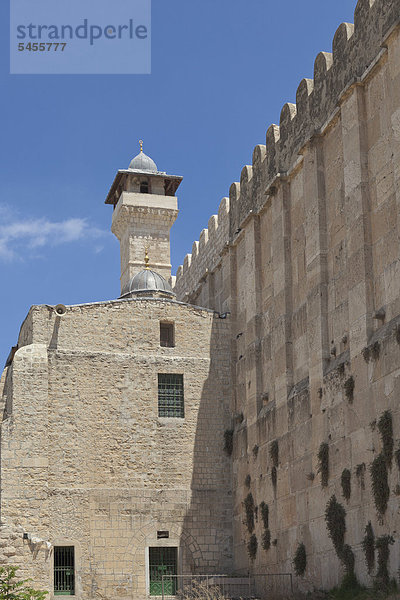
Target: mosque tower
145, 208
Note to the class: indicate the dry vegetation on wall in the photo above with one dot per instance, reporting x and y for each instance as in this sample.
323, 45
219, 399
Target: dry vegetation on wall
300, 560
249, 511
382, 546
346, 484
228, 441
335, 518
266, 536
381, 463
252, 547
375, 350
323, 463
274, 477
380, 485
360, 474
368, 546
274, 453
201, 591
349, 386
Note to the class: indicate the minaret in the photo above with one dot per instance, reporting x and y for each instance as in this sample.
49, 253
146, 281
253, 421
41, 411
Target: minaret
145, 208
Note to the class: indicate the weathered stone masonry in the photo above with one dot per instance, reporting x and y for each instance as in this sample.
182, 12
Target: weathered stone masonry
87, 461
305, 256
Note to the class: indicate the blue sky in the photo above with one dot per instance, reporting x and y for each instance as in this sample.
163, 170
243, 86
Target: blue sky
221, 72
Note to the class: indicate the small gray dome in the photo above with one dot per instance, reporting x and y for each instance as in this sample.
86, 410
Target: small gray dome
148, 281
142, 162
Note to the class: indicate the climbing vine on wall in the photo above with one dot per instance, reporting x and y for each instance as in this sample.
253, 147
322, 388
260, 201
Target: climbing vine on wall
380, 486
349, 385
335, 519
382, 545
323, 463
228, 441
360, 474
266, 537
252, 547
300, 560
249, 509
375, 350
368, 546
348, 559
274, 453
366, 352
345, 481
265, 514
274, 477
385, 427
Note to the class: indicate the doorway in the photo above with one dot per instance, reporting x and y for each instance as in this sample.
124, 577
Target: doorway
163, 561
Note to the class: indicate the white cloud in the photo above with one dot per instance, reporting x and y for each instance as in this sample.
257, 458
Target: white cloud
17, 234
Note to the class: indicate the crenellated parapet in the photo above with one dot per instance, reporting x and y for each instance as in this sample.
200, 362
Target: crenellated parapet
354, 50
205, 254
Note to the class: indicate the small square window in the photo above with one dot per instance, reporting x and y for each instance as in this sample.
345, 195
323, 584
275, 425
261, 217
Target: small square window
170, 395
167, 335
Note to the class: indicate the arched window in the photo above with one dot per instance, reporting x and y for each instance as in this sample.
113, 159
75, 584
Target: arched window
144, 187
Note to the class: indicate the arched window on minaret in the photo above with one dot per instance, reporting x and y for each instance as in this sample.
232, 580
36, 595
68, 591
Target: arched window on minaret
144, 187
146, 208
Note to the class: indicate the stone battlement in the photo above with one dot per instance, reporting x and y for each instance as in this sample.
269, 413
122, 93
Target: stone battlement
355, 50
205, 252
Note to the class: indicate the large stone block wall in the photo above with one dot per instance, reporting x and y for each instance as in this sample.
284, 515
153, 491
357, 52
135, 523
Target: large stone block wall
85, 459
309, 274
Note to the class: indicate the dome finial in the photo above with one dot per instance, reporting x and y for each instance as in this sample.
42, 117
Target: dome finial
142, 162
146, 258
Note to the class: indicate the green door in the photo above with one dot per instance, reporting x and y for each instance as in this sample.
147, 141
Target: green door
163, 561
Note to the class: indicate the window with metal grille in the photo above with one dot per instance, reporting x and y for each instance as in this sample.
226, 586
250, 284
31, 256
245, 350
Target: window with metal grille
144, 187
163, 563
167, 335
170, 395
64, 570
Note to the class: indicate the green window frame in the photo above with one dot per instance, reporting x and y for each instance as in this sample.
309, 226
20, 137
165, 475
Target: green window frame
170, 395
64, 570
163, 561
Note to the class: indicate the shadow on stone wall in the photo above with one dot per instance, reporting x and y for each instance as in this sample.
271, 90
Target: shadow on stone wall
209, 515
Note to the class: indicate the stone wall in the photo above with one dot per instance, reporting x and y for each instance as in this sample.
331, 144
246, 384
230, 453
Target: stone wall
309, 273
85, 459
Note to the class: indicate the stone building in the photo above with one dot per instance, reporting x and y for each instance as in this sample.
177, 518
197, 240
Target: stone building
112, 471
305, 255
115, 413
